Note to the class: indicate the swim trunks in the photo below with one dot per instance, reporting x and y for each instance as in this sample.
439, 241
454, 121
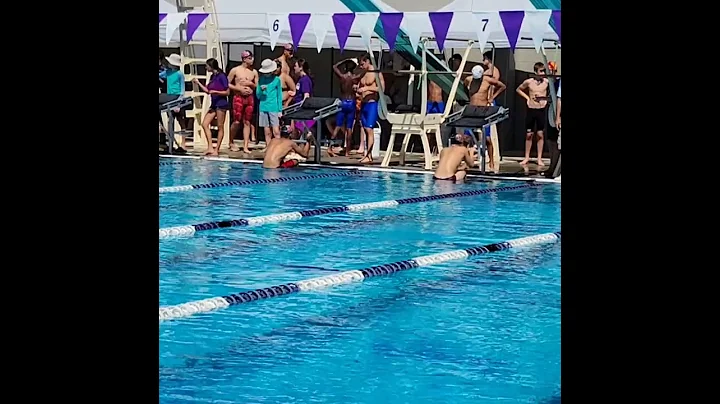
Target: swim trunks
453, 179
346, 116
435, 107
369, 114
289, 164
535, 119
243, 107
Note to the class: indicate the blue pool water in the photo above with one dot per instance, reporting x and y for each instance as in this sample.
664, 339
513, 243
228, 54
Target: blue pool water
481, 330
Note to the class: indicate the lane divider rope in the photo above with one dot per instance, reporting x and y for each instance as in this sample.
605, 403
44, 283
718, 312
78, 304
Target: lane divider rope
183, 188
172, 163
189, 230
341, 278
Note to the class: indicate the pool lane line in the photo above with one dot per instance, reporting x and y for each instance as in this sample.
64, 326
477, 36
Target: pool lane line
183, 188
335, 166
345, 277
189, 230
172, 163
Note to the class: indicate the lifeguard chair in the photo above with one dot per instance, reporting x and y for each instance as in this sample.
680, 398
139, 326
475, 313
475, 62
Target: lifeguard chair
188, 54
420, 124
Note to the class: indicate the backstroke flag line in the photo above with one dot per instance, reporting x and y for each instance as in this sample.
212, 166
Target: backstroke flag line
365, 23
193, 23
391, 25
441, 24
485, 23
343, 23
556, 21
413, 24
321, 24
173, 23
298, 23
537, 22
512, 21
276, 25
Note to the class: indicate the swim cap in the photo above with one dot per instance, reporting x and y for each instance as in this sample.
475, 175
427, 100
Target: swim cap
245, 54
477, 71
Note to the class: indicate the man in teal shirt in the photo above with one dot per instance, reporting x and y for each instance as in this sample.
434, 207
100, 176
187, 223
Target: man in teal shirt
269, 92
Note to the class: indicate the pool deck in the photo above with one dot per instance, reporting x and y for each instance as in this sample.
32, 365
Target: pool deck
510, 167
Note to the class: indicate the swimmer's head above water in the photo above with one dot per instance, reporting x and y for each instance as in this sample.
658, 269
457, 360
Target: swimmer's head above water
461, 139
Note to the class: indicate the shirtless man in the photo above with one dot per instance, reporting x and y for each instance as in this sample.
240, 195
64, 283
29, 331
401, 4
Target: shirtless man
243, 80
490, 69
278, 149
455, 159
435, 104
535, 91
345, 119
288, 86
478, 86
368, 91
284, 59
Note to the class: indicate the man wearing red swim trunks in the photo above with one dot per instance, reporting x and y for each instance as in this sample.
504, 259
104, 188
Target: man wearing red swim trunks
243, 80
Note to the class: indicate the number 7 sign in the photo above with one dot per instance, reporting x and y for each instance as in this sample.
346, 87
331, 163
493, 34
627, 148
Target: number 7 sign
485, 23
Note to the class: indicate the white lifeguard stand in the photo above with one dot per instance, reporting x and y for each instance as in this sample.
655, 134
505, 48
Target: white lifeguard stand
423, 123
188, 53
411, 124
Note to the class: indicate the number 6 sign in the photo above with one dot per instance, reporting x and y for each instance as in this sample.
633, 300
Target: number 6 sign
276, 25
485, 24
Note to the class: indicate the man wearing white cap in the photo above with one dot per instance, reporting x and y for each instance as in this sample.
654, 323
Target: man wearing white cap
478, 86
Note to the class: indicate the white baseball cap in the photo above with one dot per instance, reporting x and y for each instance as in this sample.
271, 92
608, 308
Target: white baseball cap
477, 71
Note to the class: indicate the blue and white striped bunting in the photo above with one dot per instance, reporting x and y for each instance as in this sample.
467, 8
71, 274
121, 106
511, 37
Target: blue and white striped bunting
340, 278
189, 230
183, 188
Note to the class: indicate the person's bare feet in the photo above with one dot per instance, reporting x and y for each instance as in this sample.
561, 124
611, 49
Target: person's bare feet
524, 162
209, 151
358, 151
234, 148
247, 151
366, 160
540, 163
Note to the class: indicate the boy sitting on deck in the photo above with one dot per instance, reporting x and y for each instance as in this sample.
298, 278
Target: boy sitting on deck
455, 159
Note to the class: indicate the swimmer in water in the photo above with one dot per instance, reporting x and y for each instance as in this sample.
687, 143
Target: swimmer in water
278, 149
455, 159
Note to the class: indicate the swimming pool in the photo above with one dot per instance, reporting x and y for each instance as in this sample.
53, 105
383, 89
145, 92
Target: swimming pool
479, 329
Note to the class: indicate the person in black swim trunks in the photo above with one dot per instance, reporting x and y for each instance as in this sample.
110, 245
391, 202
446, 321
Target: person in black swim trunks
455, 159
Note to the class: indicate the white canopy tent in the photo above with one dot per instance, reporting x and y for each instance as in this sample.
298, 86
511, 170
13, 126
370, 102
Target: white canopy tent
246, 22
